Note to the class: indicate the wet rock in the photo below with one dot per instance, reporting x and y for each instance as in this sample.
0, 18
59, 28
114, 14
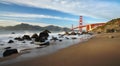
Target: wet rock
7, 48
1, 44
13, 33
18, 38
26, 37
37, 39
31, 42
54, 38
43, 35
40, 39
9, 52
34, 36
73, 33
60, 40
61, 36
66, 37
78, 34
73, 38
10, 41
23, 42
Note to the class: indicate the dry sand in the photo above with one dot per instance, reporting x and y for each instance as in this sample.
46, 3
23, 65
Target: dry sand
98, 51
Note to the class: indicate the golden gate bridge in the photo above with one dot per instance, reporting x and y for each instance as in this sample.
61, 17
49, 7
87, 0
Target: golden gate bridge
89, 27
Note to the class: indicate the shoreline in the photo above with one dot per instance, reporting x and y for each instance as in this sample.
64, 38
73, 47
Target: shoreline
98, 51
20, 57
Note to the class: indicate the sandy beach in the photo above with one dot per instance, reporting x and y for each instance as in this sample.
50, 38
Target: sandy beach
101, 50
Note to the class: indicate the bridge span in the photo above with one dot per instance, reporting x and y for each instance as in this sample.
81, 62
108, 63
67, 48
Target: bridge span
89, 27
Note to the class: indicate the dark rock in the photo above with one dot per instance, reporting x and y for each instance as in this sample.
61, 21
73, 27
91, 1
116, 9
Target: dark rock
18, 38
37, 39
26, 37
60, 40
23, 42
73, 33
31, 42
44, 35
54, 38
34, 36
1, 44
9, 52
61, 36
7, 48
42, 39
78, 34
66, 37
10, 41
73, 38
13, 33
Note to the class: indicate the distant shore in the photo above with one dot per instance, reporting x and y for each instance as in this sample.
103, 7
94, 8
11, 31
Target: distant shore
101, 50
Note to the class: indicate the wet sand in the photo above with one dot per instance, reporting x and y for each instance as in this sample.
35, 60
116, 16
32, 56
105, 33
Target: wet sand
98, 51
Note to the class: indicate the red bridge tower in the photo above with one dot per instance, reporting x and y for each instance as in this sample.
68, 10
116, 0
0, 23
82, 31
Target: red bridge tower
80, 23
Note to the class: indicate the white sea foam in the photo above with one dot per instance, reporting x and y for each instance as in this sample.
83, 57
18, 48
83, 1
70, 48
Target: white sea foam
54, 45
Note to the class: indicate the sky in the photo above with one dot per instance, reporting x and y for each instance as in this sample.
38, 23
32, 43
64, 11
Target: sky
62, 13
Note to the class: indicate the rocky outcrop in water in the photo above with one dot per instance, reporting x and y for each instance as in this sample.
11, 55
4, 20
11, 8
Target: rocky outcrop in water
10, 41
34, 36
26, 37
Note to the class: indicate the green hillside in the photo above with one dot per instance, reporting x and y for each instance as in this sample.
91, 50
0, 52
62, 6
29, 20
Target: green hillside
111, 26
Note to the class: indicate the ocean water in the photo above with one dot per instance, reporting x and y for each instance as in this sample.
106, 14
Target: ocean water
33, 51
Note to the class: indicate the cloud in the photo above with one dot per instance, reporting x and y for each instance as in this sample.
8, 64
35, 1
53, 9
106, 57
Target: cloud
92, 8
32, 16
7, 23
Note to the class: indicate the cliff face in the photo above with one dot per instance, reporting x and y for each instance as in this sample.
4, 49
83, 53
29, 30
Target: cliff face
111, 26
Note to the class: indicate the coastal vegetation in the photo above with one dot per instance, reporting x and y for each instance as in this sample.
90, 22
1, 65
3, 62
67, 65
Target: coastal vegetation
111, 26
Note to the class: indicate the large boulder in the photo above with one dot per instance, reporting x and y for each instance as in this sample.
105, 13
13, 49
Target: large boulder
26, 37
18, 38
10, 41
73, 33
34, 36
9, 52
37, 39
